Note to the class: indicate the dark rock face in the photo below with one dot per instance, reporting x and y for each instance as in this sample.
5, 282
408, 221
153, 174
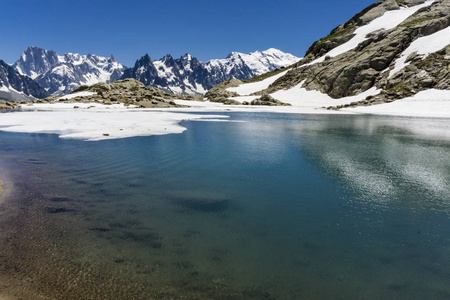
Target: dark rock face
35, 61
14, 86
143, 70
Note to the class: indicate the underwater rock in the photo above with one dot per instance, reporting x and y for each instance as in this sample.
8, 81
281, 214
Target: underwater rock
58, 210
202, 204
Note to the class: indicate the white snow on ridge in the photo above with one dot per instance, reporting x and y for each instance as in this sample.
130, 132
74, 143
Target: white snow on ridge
300, 97
249, 88
4, 89
388, 20
164, 71
259, 62
424, 45
79, 94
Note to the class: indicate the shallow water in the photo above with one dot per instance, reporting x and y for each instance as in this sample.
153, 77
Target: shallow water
276, 207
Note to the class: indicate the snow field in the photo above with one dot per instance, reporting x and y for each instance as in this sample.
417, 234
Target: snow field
96, 124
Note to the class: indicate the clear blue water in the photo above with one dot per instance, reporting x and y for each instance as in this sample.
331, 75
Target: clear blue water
274, 207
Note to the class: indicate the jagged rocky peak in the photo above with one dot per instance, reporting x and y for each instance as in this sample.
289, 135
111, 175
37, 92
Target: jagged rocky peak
35, 61
145, 59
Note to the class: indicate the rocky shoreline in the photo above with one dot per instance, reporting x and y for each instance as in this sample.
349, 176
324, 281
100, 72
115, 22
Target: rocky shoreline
129, 92
9, 105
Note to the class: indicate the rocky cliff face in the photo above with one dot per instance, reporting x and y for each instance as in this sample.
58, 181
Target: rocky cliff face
371, 61
14, 86
35, 61
368, 64
399, 47
187, 75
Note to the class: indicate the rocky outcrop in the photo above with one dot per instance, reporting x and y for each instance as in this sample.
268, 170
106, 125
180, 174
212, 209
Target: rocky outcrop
127, 91
268, 100
9, 104
369, 64
422, 73
220, 94
344, 32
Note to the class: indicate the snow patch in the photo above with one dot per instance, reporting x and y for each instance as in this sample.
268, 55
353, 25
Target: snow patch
79, 94
4, 89
424, 46
300, 97
249, 88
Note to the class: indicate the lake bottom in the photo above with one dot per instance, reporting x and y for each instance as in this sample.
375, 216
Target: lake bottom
228, 211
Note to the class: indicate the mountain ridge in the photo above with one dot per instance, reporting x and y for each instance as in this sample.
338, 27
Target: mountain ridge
61, 74
188, 75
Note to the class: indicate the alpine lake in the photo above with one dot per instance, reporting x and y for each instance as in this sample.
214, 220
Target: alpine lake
265, 206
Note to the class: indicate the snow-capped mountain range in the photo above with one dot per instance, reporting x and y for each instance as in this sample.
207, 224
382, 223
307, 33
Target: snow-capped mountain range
188, 75
14, 86
61, 74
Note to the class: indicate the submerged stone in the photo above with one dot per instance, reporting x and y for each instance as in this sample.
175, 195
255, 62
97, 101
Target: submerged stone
202, 204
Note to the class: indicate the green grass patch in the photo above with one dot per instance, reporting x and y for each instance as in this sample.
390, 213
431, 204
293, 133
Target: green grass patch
400, 90
340, 33
418, 21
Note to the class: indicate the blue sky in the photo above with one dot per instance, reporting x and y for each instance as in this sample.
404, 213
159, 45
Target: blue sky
204, 28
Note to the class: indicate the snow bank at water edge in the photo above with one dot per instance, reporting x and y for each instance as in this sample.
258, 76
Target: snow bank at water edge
97, 124
429, 103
